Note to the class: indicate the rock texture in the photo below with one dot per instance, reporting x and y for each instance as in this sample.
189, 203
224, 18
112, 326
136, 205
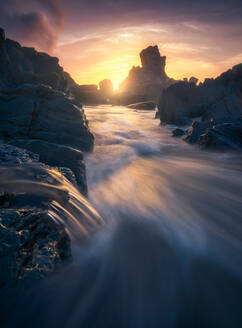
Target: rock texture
216, 102
19, 65
147, 105
43, 131
39, 110
32, 243
46, 122
38, 212
148, 80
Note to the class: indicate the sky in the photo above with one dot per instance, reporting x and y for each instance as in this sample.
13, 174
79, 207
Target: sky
97, 39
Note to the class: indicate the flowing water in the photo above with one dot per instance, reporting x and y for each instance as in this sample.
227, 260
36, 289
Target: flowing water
170, 251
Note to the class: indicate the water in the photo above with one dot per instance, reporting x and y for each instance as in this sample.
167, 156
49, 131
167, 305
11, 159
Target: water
169, 254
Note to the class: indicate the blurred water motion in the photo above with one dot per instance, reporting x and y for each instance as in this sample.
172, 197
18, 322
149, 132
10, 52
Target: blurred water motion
169, 254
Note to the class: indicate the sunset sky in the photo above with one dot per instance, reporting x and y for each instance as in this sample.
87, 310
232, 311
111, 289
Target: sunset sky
102, 39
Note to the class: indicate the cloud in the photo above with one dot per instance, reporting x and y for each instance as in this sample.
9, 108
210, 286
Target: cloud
89, 35
34, 23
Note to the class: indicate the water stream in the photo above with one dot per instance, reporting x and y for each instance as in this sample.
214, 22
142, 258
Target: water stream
170, 253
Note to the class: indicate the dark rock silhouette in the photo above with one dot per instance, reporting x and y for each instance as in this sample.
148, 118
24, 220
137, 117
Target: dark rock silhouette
217, 102
35, 117
43, 126
178, 132
20, 65
153, 62
2, 35
35, 108
148, 80
106, 88
147, 105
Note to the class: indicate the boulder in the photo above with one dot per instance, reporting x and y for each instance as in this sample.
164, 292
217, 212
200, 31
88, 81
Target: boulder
58, 156
223, 137
212, 99
177, 101
216, 102
196, 130
46, 122
178, 133
32, 246
146, 105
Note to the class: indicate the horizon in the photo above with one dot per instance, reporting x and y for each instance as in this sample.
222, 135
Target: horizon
95, 42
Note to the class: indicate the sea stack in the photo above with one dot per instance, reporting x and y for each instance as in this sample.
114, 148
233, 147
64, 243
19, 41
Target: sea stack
145, 83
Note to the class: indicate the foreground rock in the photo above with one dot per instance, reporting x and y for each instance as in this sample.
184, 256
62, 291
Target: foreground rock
46, 122
34, 227
40, 207
178, 133
217, 103
223, 136
33, 245
147, 105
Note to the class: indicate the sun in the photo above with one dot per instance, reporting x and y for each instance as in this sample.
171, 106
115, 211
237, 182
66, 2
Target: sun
115, 85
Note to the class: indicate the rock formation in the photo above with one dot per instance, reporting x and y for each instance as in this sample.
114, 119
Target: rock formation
216, 102
43, 129
20, 65
106, 88
37, 118
147, 81
147, 105
34, 228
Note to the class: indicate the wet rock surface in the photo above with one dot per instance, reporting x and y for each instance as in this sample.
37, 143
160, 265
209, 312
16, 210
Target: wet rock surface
32, 244
43, 133
216, 106
46, 122
178, 133
147, 105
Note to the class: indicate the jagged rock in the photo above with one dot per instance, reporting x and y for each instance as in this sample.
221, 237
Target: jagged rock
223, 136
147, 105
193, 80
216, 101
19, 65
47, 123
106, 88
13, 155
148, 80
33, 245
196, 130
178, 133
153, 62
214, 98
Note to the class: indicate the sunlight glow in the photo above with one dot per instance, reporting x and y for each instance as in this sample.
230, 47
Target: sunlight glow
111, 54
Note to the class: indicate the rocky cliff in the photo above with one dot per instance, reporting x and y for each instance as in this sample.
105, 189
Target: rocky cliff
43, 129
20, 65
36, 112
147, 81
215, 106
